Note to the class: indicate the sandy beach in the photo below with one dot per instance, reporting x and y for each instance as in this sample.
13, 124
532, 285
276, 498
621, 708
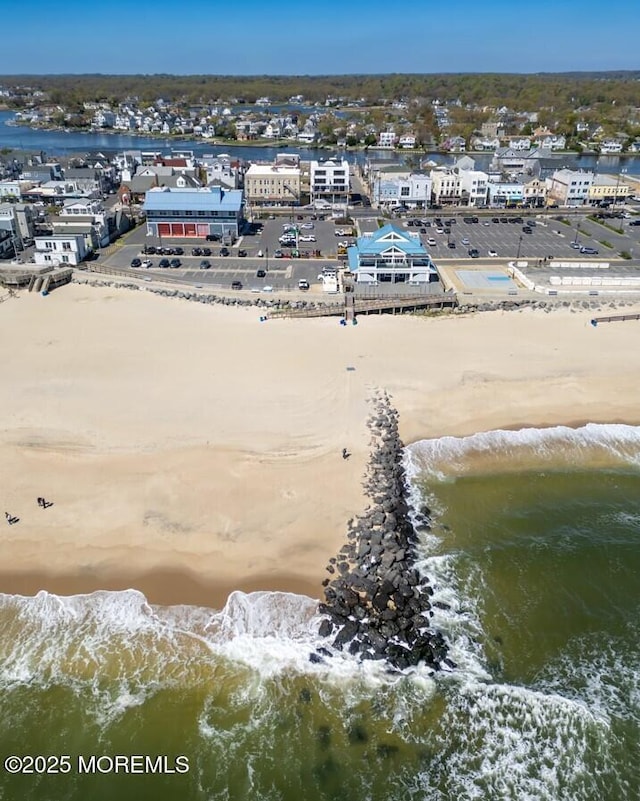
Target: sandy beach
190, 450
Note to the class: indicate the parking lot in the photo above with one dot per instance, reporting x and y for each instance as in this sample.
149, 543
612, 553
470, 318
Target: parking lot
501, 235
503, 238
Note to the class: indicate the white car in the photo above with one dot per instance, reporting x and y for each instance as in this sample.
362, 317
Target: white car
431, 241
267, 288
147, 263
308, 226
309, 238
465, 241
439, 230
493, 253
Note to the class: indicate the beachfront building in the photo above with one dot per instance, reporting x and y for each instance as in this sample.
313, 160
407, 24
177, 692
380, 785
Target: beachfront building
59, 249
391, 255
569, 187
272, 185
329, 182
200, 212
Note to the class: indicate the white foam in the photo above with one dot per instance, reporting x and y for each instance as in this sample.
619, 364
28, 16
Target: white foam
557, 445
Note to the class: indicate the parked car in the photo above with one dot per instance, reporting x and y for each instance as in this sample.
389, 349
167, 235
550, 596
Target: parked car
474, 254
150, 249
492, 253
278, 254
495, 219
465, 240
303, 284
242, 253
175, 263
451, 245
147, 263
196, 251
224, 251
575, 245
589, 251
439, 230
526, 229
204, 264
309, 238
136, 263
213, 237
261, 274
206, 251
431, 241
308, 225
178, 251
267, 288
236, 285
163, 263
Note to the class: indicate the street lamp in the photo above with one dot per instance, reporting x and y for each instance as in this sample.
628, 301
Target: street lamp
266, 253
519, 246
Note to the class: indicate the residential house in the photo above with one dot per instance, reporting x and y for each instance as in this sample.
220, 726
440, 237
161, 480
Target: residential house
520, 143
610, 146
391, 255
544, 138
387, 139
57, 249
455, 144
407, 141
189, 212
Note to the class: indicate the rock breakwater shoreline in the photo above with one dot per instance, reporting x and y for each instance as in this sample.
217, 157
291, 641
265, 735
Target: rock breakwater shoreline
377, 605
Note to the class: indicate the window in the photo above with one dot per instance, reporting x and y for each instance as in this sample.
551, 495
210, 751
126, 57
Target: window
66, 245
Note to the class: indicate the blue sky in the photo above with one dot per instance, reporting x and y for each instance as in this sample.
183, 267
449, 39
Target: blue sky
256, 37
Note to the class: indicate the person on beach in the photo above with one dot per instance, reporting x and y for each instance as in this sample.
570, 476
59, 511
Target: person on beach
41, 502
345, 453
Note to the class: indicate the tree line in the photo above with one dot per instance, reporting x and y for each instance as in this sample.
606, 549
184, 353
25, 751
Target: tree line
560, 91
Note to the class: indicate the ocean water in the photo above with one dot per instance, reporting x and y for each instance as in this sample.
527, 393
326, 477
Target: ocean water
534, 554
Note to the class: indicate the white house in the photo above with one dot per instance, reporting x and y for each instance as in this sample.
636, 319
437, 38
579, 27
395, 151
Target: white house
407, 141
520, 143
59, 249
387, 139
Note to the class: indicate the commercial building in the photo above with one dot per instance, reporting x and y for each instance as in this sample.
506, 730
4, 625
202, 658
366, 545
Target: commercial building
183, 212
330, 181
569, 187
608, 189
272, 185
391, 255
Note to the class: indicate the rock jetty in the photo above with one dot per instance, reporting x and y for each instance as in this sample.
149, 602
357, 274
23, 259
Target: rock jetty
377, 605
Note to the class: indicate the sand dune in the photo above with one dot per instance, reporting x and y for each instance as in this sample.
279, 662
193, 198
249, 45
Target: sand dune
192, 449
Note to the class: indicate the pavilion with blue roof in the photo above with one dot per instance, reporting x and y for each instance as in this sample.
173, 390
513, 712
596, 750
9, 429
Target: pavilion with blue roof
391, 255
193, 212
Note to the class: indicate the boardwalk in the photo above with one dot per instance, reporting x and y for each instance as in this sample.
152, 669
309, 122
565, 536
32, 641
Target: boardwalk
353, 306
